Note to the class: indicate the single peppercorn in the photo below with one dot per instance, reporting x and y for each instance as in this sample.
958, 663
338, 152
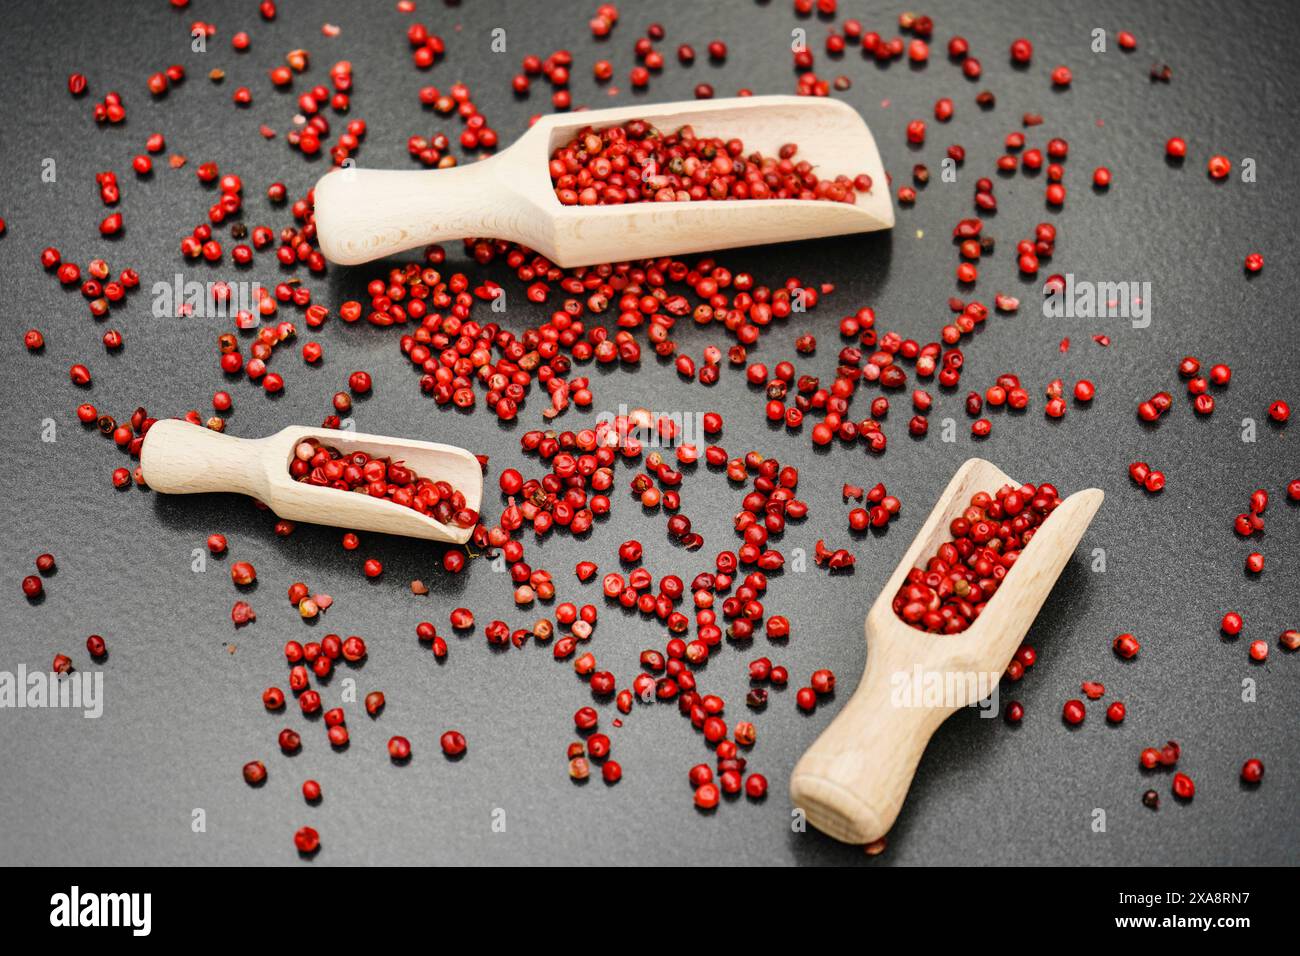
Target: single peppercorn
307, 840
707, 796
1252, 771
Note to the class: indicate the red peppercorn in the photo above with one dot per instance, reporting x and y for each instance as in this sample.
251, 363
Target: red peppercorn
1116, 712
96, 647
585, 718
1184, 788
1176, 147
307, 840
806, 699
1073, 712
1252, 771
1231, 623
1014, 712
1126, 646
452, 743
707, 796
399, 748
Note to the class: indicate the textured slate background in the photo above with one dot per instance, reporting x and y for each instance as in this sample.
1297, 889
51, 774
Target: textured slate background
183, 714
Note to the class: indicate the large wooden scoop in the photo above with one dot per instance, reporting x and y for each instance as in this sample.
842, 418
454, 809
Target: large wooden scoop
852, 781
364, 214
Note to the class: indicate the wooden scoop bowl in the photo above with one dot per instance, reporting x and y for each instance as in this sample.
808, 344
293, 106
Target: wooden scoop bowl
852, 781
179, 458
364, 214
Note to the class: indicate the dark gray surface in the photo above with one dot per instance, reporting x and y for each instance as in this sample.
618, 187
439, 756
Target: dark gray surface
183, 713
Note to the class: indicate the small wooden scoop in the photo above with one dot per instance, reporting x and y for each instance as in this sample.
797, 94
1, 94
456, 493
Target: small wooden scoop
366, 214
179, 458
852, 781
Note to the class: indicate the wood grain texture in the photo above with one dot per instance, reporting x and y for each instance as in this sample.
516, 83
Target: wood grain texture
180, 458
853, 780
368, 214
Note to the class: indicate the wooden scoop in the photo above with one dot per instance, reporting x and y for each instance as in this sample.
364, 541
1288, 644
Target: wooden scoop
852, 781
364, 214
179, 458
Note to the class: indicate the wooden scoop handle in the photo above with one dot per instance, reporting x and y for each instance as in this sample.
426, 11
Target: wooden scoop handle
365, 214
852, 781
179, 458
